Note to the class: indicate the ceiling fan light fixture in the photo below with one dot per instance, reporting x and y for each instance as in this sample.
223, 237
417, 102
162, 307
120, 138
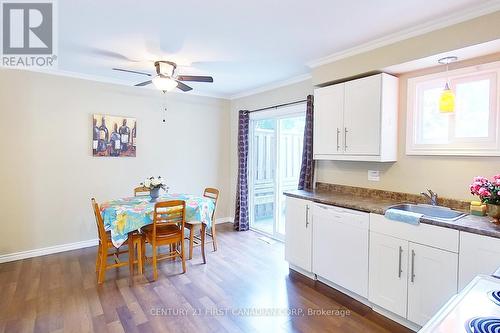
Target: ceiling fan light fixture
166, 79
164, 83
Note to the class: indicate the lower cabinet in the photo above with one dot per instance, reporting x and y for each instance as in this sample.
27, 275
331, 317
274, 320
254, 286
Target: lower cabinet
409, 270
411, 280
340, 247
478, 255
298, 236
388, 273
432, 281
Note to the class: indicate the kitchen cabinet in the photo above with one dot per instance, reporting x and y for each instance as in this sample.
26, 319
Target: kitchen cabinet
432, 281
388, 273
407, 272
413, 268
478, 255
298, 236
329, 123
340, 247
357, 120
362, 116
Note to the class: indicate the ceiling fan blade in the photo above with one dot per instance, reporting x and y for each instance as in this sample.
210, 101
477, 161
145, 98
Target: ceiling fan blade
111, 54
195, 78
129, 71
183, 87
145, 83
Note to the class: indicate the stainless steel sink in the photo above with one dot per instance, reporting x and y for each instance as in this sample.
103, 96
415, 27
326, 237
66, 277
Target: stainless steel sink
437, 212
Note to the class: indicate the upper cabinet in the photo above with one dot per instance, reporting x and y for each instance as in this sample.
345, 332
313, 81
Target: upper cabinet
328, 120
357, 120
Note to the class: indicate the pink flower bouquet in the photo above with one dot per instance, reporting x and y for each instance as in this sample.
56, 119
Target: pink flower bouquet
487, 190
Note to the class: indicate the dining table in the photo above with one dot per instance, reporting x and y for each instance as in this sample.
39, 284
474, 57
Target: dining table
125, 215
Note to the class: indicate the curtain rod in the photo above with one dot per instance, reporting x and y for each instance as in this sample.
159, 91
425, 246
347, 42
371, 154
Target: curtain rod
278, 106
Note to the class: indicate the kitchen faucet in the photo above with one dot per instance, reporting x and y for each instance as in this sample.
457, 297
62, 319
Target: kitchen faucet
433, 197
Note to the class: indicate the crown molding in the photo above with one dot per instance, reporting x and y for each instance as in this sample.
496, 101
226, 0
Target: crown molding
102, 79
462, 16
271, 86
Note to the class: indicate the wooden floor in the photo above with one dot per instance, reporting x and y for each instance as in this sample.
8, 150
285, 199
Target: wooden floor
244, 278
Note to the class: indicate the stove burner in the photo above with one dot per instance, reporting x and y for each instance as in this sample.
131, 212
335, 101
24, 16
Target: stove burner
483, 325
494, 296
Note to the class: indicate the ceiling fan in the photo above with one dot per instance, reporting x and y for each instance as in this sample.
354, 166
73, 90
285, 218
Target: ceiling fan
166, 79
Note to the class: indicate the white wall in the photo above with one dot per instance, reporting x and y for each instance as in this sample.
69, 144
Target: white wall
48, 174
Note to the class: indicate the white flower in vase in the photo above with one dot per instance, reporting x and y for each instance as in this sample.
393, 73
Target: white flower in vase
155, 183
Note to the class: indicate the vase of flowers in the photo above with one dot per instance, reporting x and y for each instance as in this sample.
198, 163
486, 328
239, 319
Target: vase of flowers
154, 184
489, 193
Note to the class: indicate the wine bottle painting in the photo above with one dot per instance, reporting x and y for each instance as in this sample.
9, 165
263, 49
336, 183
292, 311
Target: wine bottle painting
114, 136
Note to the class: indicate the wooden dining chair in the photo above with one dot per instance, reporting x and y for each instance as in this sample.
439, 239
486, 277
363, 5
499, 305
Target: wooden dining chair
105, 244
141, 190
211, 193
167, 229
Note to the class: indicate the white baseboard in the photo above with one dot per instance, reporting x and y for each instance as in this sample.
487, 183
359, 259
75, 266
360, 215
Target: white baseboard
349, 293
394, 317
47, 250
224, 220
68, 247
310, 275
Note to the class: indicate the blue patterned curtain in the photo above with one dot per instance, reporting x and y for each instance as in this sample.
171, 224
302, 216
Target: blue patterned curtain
307, 170
241, 222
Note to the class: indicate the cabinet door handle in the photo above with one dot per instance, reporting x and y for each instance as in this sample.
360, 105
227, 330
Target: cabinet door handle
345, 138
400, 270
338, 143
307, 216
412, 265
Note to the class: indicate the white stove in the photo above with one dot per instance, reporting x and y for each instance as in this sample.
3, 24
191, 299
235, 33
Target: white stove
476, 309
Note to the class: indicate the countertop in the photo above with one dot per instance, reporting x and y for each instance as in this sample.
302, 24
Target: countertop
480, 225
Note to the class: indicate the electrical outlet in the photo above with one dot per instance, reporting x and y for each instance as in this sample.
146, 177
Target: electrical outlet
374, 175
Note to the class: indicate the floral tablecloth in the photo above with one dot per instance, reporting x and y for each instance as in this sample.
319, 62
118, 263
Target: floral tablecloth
124, 215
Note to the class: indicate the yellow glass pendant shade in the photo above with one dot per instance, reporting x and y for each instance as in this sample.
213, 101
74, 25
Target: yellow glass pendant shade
447, 100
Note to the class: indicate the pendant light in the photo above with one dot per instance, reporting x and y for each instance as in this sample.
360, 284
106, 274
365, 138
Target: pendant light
447, 98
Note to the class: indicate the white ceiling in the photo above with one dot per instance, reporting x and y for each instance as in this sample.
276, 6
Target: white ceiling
242, 44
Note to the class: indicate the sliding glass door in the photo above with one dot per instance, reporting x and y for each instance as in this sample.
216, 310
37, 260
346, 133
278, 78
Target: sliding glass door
276, 139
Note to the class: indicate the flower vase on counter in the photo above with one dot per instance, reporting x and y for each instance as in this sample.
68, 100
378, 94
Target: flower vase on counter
494, 212
489, 193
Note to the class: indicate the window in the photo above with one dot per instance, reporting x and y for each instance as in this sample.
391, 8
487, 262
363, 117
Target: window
472, 129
